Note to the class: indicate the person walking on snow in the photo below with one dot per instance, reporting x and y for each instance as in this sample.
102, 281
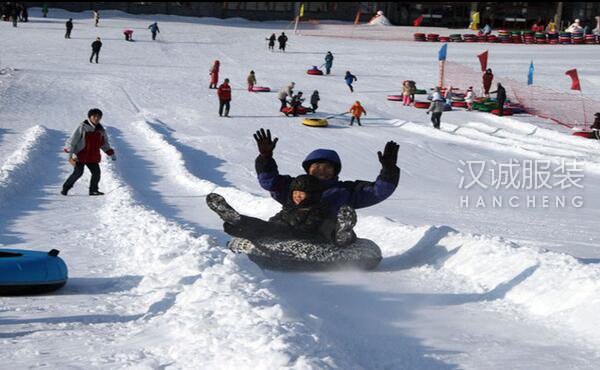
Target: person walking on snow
469, 98
272, 42
488, 77
154, 29
96, 16
214, 75
328, 62
284, 93
350, 78
314, 100
357, 111
405, 93
251, 79
437, 106
224, 94
282, 39
501, 98
69, 26
84, 151
45, 10
96, 46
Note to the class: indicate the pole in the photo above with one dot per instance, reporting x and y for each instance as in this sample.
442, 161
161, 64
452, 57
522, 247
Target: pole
296, 25
585, 125
442, 67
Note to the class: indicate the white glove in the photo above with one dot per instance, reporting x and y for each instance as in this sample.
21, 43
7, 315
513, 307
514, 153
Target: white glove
74, 156
113, 157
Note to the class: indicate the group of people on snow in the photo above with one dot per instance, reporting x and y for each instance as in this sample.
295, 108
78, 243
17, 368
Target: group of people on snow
282, 40
14, 12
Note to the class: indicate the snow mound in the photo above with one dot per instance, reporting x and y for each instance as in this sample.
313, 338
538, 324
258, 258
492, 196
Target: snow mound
24, 164
557, 288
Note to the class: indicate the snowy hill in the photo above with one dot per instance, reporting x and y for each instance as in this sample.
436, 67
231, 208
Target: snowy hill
152, 285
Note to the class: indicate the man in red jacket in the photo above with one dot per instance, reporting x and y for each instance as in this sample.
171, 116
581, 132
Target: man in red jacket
84, 151
224, 94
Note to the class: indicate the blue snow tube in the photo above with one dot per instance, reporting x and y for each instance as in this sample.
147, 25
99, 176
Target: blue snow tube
29, 272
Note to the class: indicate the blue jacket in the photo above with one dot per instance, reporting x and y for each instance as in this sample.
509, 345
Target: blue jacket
350, 78
154, 28
336, 193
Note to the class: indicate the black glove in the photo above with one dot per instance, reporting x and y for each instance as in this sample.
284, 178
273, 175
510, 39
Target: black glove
265, 144
390, 155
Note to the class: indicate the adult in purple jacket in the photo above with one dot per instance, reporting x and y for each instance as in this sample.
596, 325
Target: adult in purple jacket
325, 164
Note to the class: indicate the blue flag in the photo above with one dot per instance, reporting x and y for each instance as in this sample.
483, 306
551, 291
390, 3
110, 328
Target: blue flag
442, 53
530, 74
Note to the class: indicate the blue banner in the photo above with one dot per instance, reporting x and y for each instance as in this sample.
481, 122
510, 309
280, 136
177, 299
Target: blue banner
530, 74
442, 53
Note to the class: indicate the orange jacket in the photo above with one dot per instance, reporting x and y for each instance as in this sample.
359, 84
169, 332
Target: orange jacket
357, 110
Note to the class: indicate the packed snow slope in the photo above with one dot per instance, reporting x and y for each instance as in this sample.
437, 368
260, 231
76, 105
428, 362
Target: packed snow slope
152, 285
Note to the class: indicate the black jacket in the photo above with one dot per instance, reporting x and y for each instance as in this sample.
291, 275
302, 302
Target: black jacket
96, 45
596, 125
69, 25
282, 39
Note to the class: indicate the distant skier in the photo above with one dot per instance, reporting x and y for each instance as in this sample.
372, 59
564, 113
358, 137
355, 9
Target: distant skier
84, 151
128, 35
96, 16
437, 106
224, 94
350, 78
69, 27
357, 111
251, 80
296, 103
272, 42
284, 93
282, 39
469, 98
501, 98
214, 75
96, 46
328, 62
488, 77
154, 30
405, 93
45, 10
314, 100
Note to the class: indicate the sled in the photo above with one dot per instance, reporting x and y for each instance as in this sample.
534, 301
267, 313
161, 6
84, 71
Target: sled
260, 89
30, 272
422, 104
307, 255
394, 97
315, 122
588, 134
315, 72
301, 110
507, 112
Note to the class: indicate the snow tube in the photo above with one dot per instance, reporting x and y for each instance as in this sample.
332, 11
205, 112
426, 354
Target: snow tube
588, 134
316, 72
507, 112
459, 104
307, 255
394, 97
260, 89
315, 122
30, 272
288, 110
422, 104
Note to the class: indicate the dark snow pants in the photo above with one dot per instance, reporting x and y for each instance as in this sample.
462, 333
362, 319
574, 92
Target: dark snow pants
94, 52
153, 35
78, 172
436, 119
501, 107
224, 104
355, 118
68, 34
253, 228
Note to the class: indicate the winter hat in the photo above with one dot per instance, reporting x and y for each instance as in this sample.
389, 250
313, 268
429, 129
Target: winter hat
323, 155
94, 112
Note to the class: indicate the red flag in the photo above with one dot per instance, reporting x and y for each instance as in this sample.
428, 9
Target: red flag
483, 60
418, 21
574, 79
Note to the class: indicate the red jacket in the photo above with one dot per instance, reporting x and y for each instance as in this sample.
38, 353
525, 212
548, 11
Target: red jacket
487, 80
224, 92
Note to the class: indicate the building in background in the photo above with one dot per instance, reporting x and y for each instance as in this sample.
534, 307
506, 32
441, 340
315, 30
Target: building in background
511, 15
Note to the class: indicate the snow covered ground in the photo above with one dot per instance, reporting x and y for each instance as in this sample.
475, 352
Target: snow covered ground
152, 285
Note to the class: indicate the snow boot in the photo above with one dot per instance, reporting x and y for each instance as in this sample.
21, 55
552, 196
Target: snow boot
346, 220
64, 191
96, 192
219, 205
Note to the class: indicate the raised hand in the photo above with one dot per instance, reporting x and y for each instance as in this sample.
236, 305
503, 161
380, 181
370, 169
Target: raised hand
390, 155
265, 144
